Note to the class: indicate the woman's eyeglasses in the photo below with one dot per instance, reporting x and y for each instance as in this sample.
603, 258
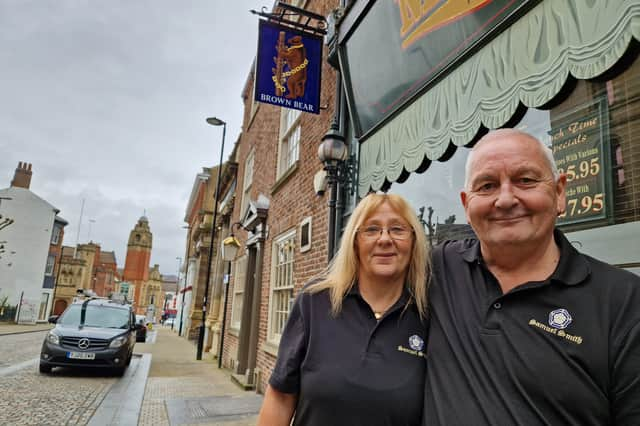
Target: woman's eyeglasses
396, 232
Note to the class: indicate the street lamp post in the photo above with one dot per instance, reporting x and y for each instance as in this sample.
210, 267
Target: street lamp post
230, 247
214, 122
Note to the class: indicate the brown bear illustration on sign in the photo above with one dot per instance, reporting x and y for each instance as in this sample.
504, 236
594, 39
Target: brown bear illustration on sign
295, 58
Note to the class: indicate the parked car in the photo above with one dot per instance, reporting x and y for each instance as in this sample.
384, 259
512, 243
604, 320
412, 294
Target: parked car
141, 332
169, 322
95, 332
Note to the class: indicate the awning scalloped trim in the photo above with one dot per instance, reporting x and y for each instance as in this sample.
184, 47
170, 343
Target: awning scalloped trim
528, 63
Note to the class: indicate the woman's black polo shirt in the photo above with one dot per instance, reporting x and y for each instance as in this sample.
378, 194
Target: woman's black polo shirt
352, 369
565, 351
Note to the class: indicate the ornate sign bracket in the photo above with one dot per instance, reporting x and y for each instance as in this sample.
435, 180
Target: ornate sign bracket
295, 17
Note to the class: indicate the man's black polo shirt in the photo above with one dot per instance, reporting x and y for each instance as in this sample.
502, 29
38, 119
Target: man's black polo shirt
565, 351
352, 369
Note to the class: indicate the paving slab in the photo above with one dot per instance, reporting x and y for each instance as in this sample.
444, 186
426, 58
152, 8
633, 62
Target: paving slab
214, 409
181, 390
11, 328
123, 403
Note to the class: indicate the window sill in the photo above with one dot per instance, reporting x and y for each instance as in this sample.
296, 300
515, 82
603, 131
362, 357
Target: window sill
284, 178
270, 347
234, 331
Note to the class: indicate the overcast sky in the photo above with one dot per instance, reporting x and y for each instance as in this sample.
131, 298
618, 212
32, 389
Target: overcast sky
108, 100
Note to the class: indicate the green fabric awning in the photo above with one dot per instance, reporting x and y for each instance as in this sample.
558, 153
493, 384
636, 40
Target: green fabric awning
528, 63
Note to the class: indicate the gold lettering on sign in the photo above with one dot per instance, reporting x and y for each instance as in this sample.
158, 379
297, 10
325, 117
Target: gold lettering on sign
420, 17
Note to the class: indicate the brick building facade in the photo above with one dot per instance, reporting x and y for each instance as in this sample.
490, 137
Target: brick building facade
417, 145
85, 267
277, 157
105, 273
198, 216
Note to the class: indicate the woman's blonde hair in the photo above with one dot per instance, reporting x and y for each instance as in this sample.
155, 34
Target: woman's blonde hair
342, 272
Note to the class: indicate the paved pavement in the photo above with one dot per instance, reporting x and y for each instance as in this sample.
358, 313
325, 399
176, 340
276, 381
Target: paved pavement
183, 391
164, 385
18, 348
11, 328
66, 397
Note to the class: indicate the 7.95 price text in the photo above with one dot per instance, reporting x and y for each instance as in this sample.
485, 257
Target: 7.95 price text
583, 205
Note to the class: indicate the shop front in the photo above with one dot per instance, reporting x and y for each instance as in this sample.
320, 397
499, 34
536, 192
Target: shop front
425, 80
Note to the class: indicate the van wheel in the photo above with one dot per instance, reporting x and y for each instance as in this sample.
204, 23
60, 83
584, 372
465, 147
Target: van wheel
45, 369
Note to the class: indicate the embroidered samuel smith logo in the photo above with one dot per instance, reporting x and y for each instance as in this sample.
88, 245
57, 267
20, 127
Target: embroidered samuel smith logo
560, 319
416, 343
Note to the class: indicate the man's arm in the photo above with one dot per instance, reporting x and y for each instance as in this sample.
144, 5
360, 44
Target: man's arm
625, 384
277, 408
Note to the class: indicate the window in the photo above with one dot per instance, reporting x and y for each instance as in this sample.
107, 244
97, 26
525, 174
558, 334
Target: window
55, 235
51, 261
247, 182
594, 136
289, 146
305, 234
240, 269
282, 282
96, 316
435, 196
44, 301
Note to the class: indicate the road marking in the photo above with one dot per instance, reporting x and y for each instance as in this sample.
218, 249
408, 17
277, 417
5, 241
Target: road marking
16, 367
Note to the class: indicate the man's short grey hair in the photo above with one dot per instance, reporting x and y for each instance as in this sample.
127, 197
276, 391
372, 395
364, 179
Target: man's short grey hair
546, 151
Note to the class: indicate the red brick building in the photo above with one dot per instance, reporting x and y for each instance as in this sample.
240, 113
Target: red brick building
282, 223
410, 131
53, 265
105, 273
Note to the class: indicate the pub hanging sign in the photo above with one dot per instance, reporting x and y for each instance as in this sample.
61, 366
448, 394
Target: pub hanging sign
581, 150
288, 68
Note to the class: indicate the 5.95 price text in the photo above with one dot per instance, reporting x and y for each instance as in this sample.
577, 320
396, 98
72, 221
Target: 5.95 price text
582, 170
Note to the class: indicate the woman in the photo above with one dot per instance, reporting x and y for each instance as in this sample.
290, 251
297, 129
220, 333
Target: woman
352, 350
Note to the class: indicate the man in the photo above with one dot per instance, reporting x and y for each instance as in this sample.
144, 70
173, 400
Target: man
524, 329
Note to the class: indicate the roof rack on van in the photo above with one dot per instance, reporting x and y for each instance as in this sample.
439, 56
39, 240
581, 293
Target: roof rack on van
119, 298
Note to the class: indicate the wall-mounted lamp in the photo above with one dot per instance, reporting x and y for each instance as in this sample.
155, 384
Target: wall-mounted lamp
334, 154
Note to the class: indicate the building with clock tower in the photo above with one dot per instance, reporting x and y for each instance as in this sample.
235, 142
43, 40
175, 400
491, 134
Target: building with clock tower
136, 267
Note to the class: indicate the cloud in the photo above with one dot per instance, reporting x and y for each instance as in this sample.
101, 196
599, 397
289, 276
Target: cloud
108, 101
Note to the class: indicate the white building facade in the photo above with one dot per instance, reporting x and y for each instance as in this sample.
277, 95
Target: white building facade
26, 227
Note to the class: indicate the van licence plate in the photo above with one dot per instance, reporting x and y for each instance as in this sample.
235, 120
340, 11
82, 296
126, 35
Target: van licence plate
81, 355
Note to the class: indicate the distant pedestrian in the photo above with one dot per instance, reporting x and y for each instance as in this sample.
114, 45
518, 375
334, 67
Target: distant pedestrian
524, 329
352, 350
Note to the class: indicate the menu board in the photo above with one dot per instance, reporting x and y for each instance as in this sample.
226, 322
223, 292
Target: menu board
580, 147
